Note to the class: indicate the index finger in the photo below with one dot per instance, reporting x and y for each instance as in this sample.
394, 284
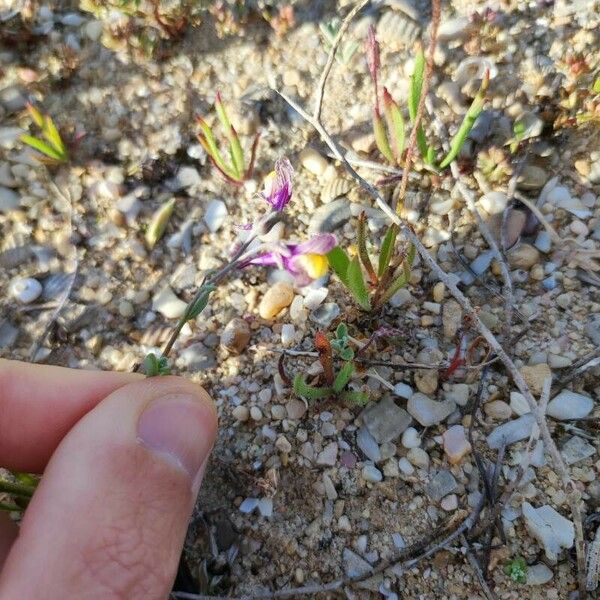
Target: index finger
39, 404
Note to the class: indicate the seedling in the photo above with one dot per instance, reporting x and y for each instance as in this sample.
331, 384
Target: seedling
393, 269
516, 569
52, 147
329, 31
235, 170
333, 385
340, 342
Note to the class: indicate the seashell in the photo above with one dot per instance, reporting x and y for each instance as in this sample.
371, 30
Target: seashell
25, 289
473, 69
334, 188
396, 29
405, 6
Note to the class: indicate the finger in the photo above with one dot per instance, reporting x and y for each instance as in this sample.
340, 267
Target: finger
8, 533
115, 499
39, 404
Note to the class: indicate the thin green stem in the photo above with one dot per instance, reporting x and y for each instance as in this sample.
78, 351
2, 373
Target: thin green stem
17, 489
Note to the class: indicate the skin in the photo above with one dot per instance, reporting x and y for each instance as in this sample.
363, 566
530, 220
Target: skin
109, 517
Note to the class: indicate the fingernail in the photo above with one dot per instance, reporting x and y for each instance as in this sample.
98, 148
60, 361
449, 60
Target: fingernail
177, 428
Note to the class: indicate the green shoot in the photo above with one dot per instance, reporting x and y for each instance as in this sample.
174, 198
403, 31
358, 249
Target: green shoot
155, 366
329, 31
516, 569
234, 170
52, 146
416, 85
340, 343
158, 223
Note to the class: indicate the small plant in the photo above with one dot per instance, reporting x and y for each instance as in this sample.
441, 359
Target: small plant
331, 384
340, 343
235, 170
329, 31
52, 146
494, 165
516, 569
393, 269
389, 128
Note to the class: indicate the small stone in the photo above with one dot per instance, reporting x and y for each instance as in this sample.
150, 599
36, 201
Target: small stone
9, 200
401, 297
570, 405
235, 335
126, 309
367, 444
186, 177
543, 242
25, 289
451, 318
265, 507
494, 202
539, 574
288, 333
438, 292
283, 445
497, 409
371, 474
325, 314
385, 420
440, 485
354, 565
330, 490
403, 390
429, 412
241, 413
418, 457
215, 215
314, 298
278, 412
550, 528
295, 409
329, 217
277, 297
576, 449
168, 304
456, 444
411, 438
458, 393
390, 468
248, 505
535, 375
256, 413
511, 432
328, 456
524, 256
405, 466
449, 503
532, 178
197, 357
312, 161
518, 404
8, 334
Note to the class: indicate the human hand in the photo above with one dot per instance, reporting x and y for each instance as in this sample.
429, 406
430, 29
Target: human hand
123, 457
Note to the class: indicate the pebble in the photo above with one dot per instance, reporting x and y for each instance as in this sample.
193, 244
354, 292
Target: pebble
277, 297
256, 413
449, 503
539, 574
535, 375
197, 357
523, 256
511, 432
126, 309
330, 490
439, 290
451, 318
592, 328
576, 449
329, 217
440, 485
215, 215
235, 335
328, 456
411, 438
265, 507
550, 528
288, 333
401, 297
325, 314
458, 393
497, 409
354, 565
295, 409
532, 178
9, 200
456, 445
371, 474
241, 413
25, 289
314, 298
312, 161
518, 404
283, 445
403, 390
494, 202
429, 412
405, 466
418, 457
8, 334
570, 405
385, 421
168, 304
367, 444
543, 242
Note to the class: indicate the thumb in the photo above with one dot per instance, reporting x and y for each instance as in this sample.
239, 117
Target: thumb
110, 515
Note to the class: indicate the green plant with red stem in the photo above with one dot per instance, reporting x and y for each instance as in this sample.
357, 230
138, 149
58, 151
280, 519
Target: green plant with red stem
236, 169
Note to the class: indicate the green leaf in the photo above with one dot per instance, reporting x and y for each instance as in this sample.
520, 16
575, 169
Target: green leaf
381, 138
398, 283
362, 248
341, 332
356, 284
53, 136
36, 115
596, 86
237, 154
301, 388
42, 147
156, 366
346, 353
459, 139
359, 398
414, 96
395, 125
339, 261
207, 139
158, 224
343, 377
387, 249
200, 303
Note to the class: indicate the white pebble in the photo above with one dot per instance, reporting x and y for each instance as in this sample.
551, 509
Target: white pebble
405, 466
288, 332
256, 413
215, 215
372, 474
241, 413
25, 289
315, 297
411, 438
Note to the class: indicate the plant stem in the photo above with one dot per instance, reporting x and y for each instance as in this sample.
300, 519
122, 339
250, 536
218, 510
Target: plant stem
17, 489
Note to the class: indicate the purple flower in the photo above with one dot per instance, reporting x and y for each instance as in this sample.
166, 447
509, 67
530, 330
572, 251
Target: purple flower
305, 261
278, 185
